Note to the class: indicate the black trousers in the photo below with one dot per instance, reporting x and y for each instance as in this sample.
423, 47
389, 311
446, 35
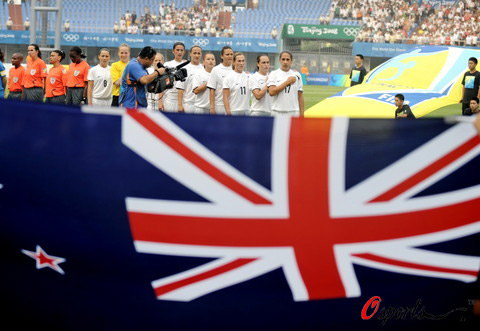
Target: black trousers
115, 101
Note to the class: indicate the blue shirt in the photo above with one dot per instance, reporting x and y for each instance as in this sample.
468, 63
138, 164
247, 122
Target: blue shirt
132, 93
3, 73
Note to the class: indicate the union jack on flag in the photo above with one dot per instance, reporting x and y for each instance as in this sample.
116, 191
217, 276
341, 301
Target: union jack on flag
309, 224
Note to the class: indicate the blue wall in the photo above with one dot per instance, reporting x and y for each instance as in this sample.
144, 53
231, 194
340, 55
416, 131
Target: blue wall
140, 41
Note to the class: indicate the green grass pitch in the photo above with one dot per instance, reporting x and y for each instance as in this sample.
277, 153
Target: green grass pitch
313, 94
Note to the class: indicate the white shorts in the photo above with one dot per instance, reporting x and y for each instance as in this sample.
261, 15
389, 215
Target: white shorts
220, 110
102, 102
171, 107
189, 108
239, 112
294, 113
260, 113
202, 111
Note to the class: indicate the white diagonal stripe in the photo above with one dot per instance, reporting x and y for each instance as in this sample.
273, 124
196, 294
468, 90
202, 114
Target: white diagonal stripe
411, 164
221, 281
431, 258
208, 155
204, 209
144, 143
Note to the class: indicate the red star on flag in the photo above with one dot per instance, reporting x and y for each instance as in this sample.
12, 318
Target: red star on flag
45, 260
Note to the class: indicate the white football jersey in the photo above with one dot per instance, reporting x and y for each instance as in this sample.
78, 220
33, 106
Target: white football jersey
187, 85
102, 82
257, 82
202, 100
286, 100
152, 98
215, 82
239, 92
171, 94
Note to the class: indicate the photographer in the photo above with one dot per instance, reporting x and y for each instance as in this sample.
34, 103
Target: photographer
135, 78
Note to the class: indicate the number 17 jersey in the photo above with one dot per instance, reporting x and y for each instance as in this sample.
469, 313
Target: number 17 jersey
287, 99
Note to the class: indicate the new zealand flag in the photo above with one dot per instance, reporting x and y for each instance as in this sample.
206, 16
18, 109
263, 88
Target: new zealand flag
130, 220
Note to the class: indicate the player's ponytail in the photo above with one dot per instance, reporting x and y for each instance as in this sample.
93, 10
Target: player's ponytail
37, 48
78, 51
2, 56
60, 53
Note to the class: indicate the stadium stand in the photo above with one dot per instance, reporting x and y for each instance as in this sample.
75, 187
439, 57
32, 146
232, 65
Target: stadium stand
273, 13
388, 20
391, 21
460, 25
250, 23
102, 14
424, 23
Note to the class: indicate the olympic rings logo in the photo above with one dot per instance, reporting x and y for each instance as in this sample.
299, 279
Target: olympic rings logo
351, 32
201, 42
71, 37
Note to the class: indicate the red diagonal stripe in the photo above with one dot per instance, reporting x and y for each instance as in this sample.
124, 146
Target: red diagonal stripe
196, 159
211, 231
159, 291
428, 171
376, 258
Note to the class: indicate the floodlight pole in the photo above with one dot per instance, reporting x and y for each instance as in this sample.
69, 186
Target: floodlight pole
44, 9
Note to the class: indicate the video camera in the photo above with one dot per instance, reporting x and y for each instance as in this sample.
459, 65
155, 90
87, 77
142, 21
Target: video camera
167, 80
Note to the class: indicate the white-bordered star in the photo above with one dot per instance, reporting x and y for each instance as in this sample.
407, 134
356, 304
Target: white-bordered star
44, 260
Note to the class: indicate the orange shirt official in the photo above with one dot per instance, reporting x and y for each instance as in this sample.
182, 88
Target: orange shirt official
35, 73
77, 75
56, 79
15, 79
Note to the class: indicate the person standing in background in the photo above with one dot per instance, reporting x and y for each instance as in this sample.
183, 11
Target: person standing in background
305, 73
100, 81
9, 23
135, 78
55, 90
474, 107
186, 97
77, 77
199, 86
26, 24
236, 93
402, 111
215, 82
3, 75
116, 71
471, 83
15, 77
261, 101
358, 72
35, 74
66, 26
170, 97
154, 100
286, 88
